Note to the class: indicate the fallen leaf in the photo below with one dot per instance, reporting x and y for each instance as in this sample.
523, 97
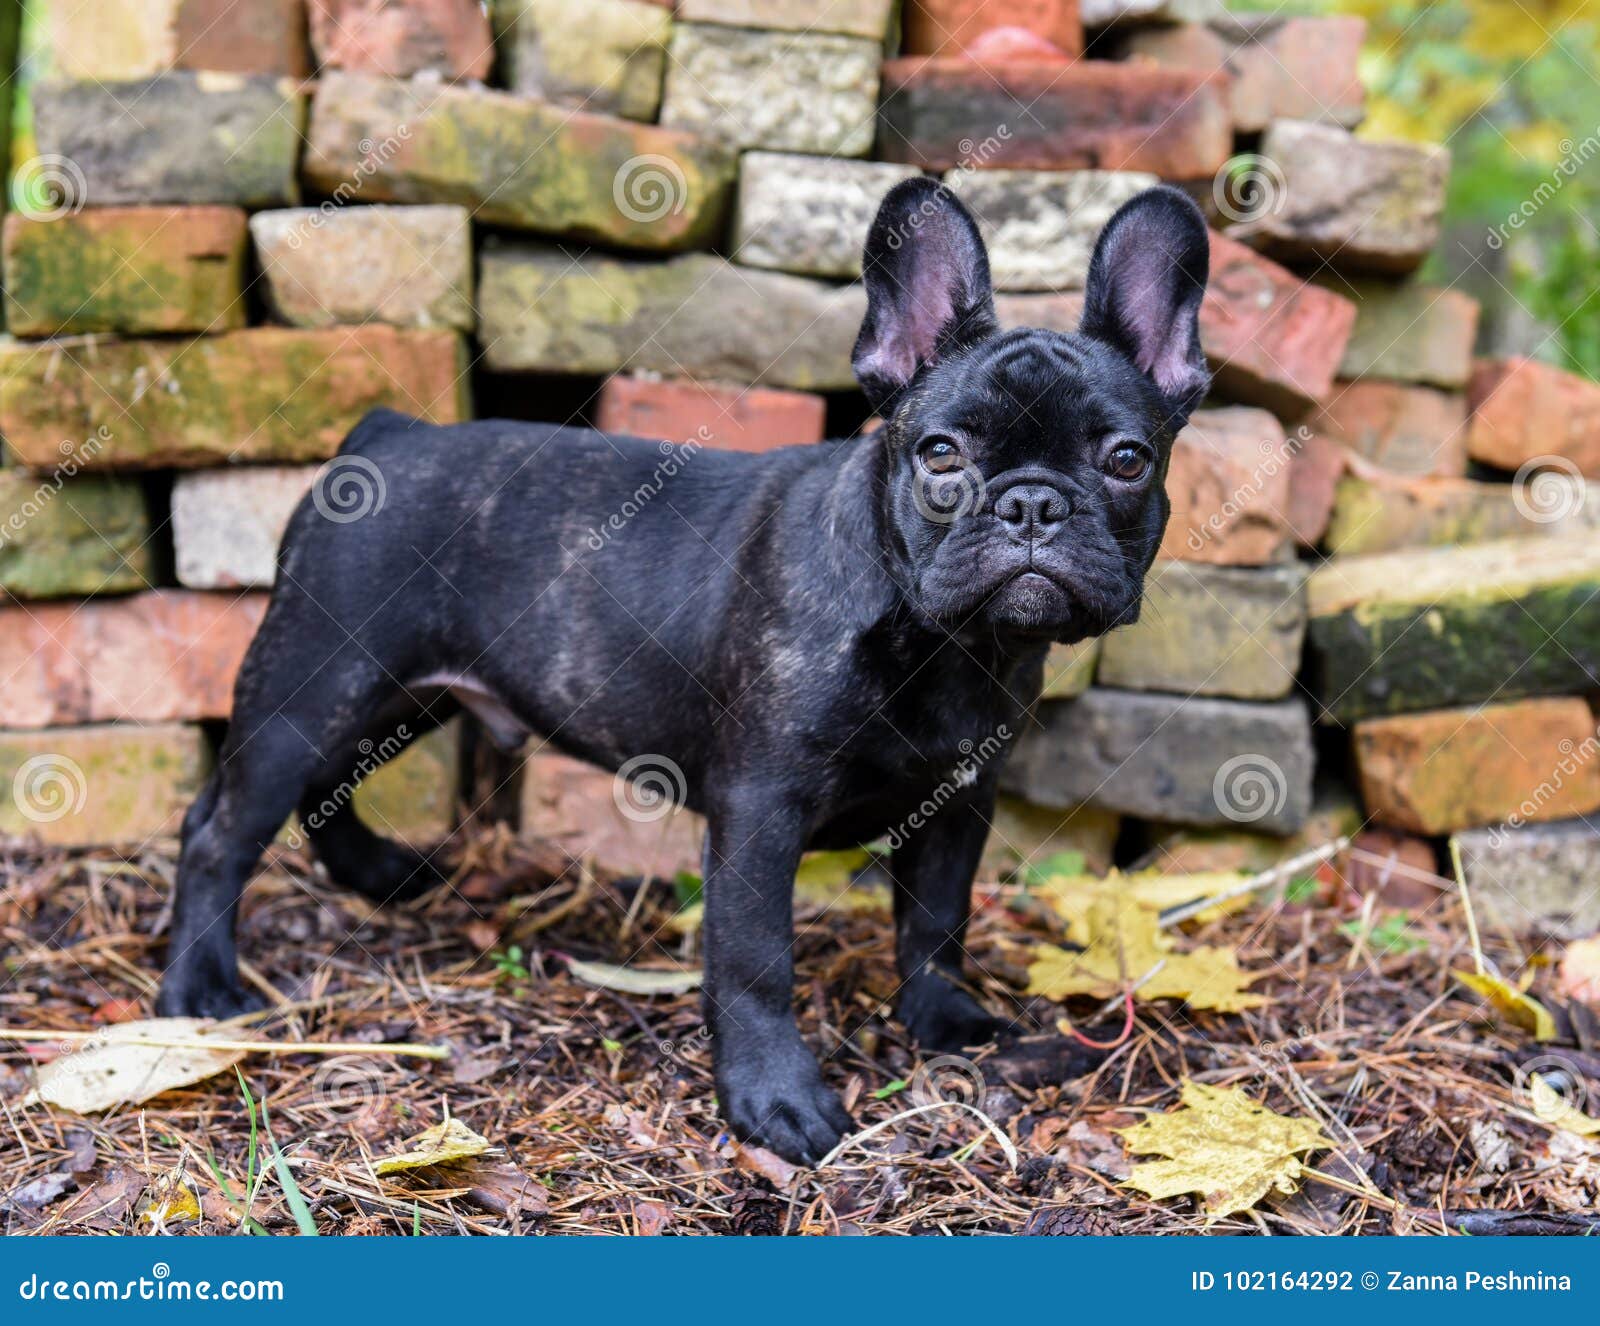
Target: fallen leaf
40, 1191
1552, 1107
827, 881
504, 1189
768, 1164
108, 1071
1229, 1149
635, 980
1073, 896
171, 1200
1580, 971
450, 1140
1517, 1007
1125, 941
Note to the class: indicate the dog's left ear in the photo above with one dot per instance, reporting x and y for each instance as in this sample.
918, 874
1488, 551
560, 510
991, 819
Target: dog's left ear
1146, 281
928, 290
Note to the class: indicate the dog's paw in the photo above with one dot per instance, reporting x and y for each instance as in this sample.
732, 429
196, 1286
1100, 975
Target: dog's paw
943, 1017
180, 998
781, 1102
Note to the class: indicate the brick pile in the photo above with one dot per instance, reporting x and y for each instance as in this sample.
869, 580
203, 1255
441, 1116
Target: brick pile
1373, 605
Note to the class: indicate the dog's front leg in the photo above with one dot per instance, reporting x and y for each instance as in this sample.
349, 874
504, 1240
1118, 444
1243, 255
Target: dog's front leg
933, 865
768, 1083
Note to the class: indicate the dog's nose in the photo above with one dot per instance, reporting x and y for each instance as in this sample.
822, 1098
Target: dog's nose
1032, 510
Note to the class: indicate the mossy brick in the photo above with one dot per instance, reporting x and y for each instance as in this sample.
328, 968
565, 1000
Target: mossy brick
1438, 627
1380, 513
943, 112
410, 799
1356, 204
1410, 332
540, 309
1450, 769
63, 535
784, 91
1069, 669
607, 56
230, 139
164, 655
592, 177
112, 40
852, 18
261, 394
125, 269
1212, 630
406, 266
105, 785
1401, 428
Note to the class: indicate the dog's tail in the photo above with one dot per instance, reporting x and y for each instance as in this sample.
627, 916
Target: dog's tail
374, 424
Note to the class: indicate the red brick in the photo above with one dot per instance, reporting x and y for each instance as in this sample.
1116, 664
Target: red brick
939, 113
713, 414
1280, 68
951, 27
1314, 473
1402, 429
1272, 339
1004, 45
1452, 769
450, 37
155, 657
258, 37
1228, 483
1395, 866
1523, 410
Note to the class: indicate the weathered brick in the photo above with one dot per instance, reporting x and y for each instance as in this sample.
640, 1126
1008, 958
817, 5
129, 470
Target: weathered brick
540, 309
607, 56
1187, 850
1228, 482
151, 658
951, 27
1101, 13
1212, 630
62, 535
1279, 67
1314, 474
788, 91
446, 37
1169, 757
1455, 769
808, 214
713, 414
1008, 45
1410, 333
1068, 669
942, 113
412, 798
1357, 204
265, 393
176, 138
125, 269
1271, 339
1403, 429
1538, 878
581, 809
227, 524
1060, 311
853, 18
1431, 627
407, 266
106, 785
1041, 226
1023, 835
1525, 411
262, 37
112, 40
1380, 513
593, 177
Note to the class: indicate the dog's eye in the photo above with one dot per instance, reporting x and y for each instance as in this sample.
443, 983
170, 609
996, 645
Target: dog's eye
1128, 463
939, 454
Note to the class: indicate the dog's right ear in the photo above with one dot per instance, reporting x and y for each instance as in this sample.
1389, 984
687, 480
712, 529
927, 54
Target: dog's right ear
928, 290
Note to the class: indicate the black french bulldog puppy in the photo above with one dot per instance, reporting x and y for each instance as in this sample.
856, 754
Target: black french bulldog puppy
821, 645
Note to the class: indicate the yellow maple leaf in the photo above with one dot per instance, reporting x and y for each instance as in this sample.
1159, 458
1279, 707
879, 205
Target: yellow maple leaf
450, 1140
1125, 941
1518, 1008
1554, 1108
1229, 1149
1072, 896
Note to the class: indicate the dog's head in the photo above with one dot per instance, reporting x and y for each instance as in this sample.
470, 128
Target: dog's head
1023, 477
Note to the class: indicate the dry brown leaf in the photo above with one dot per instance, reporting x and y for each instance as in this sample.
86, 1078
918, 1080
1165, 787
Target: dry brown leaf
1222, 1145
107, 1071
635, 980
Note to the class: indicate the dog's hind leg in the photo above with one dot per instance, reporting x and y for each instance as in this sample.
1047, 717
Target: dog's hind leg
353, 854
